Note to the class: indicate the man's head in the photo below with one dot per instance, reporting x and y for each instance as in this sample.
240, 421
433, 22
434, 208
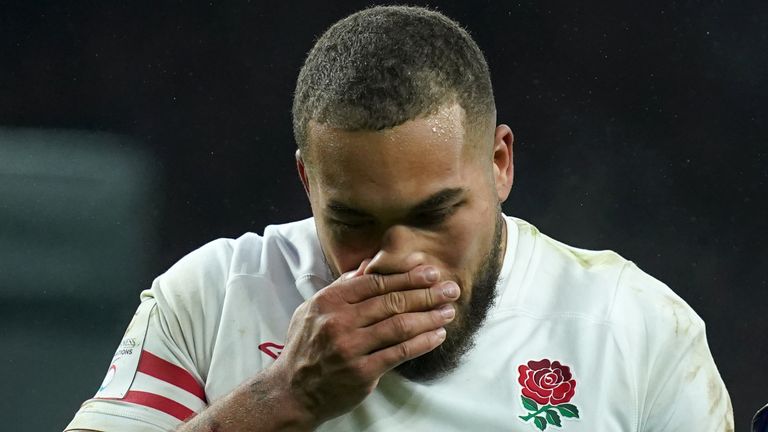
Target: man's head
383, 66
402, 162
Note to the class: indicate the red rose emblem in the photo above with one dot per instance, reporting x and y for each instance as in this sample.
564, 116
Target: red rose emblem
547, 382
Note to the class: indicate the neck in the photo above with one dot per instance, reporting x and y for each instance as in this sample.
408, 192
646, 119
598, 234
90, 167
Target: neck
503, 239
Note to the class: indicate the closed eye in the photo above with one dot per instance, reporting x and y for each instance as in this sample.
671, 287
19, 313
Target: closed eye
434, 218
349, 224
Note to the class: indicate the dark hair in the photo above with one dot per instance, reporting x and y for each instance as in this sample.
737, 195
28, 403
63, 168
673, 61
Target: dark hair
383, 66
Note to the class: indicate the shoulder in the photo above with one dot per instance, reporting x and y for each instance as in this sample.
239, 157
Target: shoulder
659, 339
647, 306
598, 283
290, 249
199, 281
559, 279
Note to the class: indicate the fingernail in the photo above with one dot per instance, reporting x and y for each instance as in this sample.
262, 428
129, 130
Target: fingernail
440, 333
447, 311
450, 289
430, 274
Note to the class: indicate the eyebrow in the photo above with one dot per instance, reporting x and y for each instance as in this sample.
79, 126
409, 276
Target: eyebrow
434, 201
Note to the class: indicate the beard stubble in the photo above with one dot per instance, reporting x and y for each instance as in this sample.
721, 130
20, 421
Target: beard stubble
470, 317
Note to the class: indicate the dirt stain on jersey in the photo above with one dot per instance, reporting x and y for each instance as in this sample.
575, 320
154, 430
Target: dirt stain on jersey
702, 369
594, 259
587, 259
716, 394
691, 375
680, 313
729, 417
715, 391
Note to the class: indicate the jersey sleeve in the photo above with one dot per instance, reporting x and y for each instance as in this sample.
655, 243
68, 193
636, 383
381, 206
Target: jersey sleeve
156, 378
679, 386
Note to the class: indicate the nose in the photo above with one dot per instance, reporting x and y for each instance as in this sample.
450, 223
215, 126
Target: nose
399, 252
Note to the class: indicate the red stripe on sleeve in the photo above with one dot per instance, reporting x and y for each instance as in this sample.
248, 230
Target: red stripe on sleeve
164, 370
160, 403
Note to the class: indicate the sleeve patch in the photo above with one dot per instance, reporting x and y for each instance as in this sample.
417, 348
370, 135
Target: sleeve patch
125, 362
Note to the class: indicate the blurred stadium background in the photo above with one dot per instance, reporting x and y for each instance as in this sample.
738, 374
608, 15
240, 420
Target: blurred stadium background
133, 132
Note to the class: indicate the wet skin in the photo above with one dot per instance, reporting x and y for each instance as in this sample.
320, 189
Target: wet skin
422, 193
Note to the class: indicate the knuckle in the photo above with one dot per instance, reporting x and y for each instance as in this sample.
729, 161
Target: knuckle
376, 283
429, 298
401, 326
320, 295
343, 349
358, 371
395, 303
331, 326
403, 352
411, 278
320, 299
313, 306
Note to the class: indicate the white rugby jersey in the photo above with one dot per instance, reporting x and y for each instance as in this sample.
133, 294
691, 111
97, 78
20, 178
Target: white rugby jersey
577, 340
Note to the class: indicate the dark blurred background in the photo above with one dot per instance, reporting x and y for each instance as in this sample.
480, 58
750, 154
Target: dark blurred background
132, 133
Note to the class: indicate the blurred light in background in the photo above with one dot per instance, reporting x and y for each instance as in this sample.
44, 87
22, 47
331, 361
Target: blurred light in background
78, 216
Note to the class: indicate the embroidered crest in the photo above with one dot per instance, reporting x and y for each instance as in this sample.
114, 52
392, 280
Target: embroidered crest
547, 387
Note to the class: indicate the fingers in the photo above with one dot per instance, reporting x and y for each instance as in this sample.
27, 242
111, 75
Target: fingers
389, 358
358, 288
359, 272
398, 302
404, 337
402, 327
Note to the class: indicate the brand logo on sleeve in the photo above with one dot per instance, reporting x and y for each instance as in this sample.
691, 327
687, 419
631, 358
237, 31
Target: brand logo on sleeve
109, 377
125, 362
547, 387
272, 349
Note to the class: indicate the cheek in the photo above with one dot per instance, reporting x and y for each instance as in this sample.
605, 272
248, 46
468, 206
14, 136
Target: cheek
464, 244
344, 253
349, 258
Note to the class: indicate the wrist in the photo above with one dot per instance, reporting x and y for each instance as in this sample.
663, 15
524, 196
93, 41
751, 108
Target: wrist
273, 388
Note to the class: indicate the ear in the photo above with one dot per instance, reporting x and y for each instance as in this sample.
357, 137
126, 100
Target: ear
302, 169
503, 164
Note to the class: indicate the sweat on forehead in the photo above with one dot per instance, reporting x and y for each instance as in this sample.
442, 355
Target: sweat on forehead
444, 132
440, 127
383, 66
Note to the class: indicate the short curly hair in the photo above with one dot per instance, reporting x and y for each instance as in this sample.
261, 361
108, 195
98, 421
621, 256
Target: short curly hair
385, 65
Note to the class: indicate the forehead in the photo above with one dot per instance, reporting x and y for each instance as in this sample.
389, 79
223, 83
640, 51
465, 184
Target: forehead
405, 164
